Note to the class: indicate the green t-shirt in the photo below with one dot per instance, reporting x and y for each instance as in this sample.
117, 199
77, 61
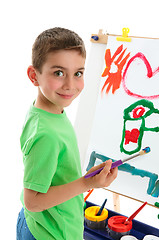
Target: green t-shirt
51, 158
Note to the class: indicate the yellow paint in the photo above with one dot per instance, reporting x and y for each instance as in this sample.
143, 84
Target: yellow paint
90, 214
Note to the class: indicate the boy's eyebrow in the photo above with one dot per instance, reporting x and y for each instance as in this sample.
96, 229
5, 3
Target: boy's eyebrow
57, 66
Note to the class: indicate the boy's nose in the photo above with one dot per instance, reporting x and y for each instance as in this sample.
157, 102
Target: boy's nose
68, 84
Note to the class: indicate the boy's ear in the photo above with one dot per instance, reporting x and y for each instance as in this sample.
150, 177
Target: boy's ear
32, 75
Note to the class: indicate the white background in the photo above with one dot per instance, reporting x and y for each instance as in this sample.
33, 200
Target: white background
20, 23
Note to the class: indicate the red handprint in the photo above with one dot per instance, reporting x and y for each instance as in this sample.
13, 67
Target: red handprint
114, 78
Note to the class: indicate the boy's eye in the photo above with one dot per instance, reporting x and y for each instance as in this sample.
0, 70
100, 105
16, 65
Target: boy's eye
78, 74
58, 73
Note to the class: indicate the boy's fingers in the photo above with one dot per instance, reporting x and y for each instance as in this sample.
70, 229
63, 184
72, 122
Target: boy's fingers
107, 170
107, 167
96, 167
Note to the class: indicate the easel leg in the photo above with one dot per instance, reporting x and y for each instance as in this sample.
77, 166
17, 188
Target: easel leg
116, 201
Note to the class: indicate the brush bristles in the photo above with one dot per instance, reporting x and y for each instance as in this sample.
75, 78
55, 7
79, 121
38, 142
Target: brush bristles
145, 150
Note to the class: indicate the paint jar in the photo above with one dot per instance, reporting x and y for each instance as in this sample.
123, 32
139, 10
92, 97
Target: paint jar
116, 227
150, 237
128, 237
93, 221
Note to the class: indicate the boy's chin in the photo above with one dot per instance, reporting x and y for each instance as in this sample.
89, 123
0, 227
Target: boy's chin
67, 104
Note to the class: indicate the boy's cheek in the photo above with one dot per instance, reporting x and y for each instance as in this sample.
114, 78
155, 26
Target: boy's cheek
81, 85
54, 86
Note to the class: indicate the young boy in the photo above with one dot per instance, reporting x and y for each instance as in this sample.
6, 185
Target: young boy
53, 185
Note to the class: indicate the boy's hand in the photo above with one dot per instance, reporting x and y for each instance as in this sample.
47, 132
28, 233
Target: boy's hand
104, 178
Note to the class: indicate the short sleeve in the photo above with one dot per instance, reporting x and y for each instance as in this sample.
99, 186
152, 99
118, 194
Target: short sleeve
40, 162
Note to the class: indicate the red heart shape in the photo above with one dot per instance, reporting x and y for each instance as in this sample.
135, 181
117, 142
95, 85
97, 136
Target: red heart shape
131, 136
150, 74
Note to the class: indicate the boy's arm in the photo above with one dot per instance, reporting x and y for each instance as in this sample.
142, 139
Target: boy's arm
37, 202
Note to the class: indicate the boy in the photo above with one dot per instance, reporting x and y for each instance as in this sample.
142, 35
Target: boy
53, 185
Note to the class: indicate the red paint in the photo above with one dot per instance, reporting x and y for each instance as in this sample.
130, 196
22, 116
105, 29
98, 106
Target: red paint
114, 79
138, 112
150, 74
116, 226
131, 136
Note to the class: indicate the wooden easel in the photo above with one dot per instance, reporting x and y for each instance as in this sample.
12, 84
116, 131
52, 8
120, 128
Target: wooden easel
116, 202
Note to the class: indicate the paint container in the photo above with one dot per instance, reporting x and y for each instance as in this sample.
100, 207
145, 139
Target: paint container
151, 237
128, 237
93, 221
116, 227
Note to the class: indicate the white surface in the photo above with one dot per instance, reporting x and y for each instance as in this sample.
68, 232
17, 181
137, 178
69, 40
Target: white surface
107, 122
21, 22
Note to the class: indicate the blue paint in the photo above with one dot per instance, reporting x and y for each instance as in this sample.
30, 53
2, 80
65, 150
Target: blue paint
91, 160
95, 38
147, 149
155, 192
153, 186
93, 157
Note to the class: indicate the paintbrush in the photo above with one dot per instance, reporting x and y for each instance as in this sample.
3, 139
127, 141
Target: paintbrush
101, 208
120, 162
88, 195
134, 214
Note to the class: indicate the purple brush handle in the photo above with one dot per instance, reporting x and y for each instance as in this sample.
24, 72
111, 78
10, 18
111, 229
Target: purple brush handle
114, 164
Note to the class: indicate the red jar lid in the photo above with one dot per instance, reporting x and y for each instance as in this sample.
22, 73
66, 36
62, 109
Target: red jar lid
116, 223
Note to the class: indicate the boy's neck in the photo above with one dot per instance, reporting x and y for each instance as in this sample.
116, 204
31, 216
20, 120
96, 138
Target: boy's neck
47, 106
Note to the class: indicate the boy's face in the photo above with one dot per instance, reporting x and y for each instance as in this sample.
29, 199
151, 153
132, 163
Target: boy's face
61, 80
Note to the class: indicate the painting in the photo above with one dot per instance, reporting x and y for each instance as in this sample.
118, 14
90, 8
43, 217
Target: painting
127, 116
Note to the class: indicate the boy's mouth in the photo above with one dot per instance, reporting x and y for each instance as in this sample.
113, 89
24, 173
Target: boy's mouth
66, 96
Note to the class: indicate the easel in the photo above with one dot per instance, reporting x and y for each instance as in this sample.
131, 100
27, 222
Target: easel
86, 108
116, 202
103, 38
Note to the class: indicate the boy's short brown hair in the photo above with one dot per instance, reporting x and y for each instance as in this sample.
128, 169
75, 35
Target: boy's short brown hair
55, 39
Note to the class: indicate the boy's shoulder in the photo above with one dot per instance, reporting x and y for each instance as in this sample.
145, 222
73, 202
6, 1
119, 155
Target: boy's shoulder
41, 123
36, 123
35, 130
